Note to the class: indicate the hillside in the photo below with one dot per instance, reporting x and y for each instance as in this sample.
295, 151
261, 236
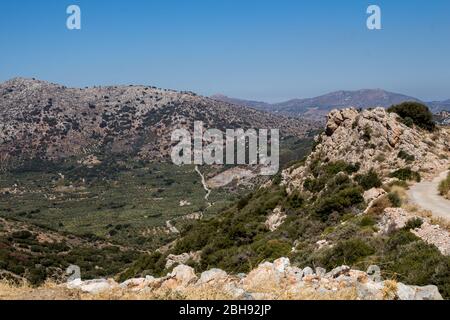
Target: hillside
334, 208
50, 122
92, 164
146, 224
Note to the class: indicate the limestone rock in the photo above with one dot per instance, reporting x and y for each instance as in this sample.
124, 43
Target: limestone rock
212, 275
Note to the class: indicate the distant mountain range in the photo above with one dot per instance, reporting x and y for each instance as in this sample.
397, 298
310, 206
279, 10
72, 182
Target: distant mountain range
317, 108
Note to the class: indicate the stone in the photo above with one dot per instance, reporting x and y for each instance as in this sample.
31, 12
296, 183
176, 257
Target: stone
336, 272
276, 219
183, 274
97, 286
374, 273
370, 291
427, 293
281, 264
320, 271
373, 194
212, 275
308, 271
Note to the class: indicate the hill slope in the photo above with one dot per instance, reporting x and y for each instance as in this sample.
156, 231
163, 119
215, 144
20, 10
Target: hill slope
49, 121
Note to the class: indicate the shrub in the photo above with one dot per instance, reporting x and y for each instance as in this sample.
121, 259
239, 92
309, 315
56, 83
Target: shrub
395, 200
406, 174
338, 202
413, 223
415, 262
444, 186
406, 156
367, 134
416, 113
369, 180
347, 252
380, 205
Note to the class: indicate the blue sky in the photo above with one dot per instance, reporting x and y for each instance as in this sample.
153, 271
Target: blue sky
268, 50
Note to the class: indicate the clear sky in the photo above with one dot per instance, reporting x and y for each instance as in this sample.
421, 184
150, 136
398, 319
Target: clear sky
268, 50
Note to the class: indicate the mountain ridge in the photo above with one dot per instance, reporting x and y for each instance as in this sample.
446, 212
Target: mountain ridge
318, 107
51, 121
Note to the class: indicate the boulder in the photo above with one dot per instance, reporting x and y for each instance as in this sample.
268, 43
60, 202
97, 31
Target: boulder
97, 286
374, 273
373, 194
336, 272
212, 275
320, 272
308, 271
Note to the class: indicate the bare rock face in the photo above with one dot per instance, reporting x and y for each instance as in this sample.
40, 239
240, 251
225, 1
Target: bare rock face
375, 139
276, 219
373, 194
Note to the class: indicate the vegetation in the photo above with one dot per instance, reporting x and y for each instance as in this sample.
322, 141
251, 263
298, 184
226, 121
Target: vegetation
444, 187
406, 156
369, 180
414, 113
406, 174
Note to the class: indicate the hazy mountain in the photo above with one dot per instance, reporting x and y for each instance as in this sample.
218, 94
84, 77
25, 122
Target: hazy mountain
50, 121
317, 108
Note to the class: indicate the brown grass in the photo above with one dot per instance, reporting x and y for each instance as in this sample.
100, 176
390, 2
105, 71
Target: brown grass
52, 291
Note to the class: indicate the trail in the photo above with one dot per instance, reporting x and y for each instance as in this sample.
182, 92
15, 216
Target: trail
205, 185
426, 195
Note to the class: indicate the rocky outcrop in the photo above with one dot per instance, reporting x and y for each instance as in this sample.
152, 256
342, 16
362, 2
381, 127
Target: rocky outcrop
277, 280
376, 139
276, 219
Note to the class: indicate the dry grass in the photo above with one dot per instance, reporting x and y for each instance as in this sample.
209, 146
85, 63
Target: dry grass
52, 291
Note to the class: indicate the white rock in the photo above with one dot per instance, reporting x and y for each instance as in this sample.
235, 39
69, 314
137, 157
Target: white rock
281, 264
212, 275
184, 274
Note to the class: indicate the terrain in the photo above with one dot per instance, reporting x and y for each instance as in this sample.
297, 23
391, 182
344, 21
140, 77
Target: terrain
93, 164
426, 195
44, 121
317, 108
140, 227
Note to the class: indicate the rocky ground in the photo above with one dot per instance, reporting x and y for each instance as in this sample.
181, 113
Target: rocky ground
374, 140
269, 281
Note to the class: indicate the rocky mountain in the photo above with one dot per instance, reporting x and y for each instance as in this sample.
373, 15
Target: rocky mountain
377, 140
318, 107
49, 121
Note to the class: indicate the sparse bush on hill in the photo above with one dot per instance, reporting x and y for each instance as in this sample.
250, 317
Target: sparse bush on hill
444, 187
414, 113
369, 180
406, 174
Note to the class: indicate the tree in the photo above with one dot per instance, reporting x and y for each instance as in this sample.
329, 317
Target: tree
416, 113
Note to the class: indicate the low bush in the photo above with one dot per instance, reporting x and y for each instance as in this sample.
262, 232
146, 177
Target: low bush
369, 180
406, 174
444, 187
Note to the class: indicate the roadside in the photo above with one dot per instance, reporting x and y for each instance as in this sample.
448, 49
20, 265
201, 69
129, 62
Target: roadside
426, 195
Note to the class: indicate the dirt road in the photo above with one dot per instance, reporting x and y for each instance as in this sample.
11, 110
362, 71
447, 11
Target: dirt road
426, 195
